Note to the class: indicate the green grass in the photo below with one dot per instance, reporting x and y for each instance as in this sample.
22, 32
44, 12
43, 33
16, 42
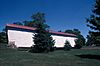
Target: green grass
10, 57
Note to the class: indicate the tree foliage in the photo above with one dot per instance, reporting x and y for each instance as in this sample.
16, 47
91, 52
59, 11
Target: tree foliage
29, 23
42, 39
18, 23
94, 24
69, 31
90, 39
67, 46
78, 35
3, 38
26, 23
78, 43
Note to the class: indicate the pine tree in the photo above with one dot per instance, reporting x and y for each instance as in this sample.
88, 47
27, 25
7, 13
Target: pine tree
42, 39
90, 39
94, 22
67, 46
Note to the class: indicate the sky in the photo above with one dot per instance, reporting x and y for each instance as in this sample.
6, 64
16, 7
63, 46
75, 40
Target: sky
59, 14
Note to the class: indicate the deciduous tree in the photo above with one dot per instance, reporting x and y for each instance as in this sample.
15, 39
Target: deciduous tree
78, 35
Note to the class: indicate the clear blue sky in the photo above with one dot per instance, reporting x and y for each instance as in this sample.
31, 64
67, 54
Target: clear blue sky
60, 14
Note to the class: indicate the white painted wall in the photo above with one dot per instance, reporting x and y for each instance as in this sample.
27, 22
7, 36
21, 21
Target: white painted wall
60, 40
21, 39
24, 39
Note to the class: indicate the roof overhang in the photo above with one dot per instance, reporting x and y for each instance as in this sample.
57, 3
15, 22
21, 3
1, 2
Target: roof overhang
33, 29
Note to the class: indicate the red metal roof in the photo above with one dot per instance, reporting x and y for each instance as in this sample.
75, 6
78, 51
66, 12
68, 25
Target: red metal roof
31, 28
62, 33
20, 26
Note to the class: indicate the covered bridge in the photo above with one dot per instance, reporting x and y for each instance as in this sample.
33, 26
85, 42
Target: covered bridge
22, 36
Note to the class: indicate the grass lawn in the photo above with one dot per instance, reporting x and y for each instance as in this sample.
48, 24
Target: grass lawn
10, 57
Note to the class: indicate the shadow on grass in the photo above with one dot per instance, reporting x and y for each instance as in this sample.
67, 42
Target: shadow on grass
89, 56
